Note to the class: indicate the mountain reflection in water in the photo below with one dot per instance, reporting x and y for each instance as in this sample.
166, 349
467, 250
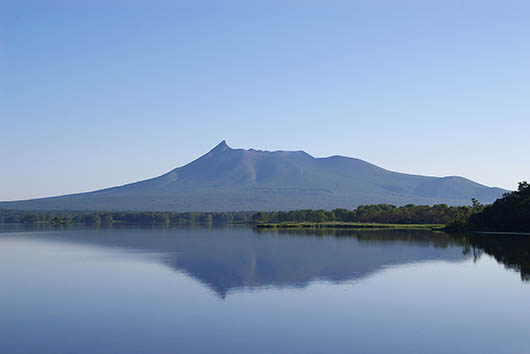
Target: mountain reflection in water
228, 259
235, 258
234, 290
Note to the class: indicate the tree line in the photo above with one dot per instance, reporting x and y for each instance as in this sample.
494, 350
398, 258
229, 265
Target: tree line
131, 217
380, 213
509, 213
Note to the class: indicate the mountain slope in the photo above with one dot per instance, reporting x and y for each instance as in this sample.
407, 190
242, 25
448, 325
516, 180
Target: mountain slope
238, 179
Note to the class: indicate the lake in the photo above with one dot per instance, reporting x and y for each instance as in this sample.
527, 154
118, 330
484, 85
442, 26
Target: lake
237, 290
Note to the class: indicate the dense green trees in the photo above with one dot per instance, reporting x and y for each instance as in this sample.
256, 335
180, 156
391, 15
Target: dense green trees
380, 213
131, 217
509, 213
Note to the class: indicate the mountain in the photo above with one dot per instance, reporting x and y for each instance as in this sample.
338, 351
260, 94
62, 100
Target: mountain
238, 179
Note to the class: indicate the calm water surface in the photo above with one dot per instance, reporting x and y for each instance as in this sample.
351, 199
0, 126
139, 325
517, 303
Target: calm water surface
234, 290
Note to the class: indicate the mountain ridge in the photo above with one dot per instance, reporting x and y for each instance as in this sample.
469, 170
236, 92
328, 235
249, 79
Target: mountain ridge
247, 179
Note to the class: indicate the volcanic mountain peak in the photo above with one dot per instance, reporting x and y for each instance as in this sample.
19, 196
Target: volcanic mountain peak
222, 146
239, 179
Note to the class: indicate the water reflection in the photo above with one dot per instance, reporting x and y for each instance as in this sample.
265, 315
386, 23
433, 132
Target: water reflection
112, 291
232, 259
294, 260
513, 251
228, 260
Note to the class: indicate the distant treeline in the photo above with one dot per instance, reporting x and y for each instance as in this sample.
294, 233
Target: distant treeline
382, 213
378, 213
132, 217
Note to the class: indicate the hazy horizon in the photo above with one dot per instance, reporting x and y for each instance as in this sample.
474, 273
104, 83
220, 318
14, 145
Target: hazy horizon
103, 94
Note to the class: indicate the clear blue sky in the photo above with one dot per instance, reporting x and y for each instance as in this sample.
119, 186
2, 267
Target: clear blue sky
109, 92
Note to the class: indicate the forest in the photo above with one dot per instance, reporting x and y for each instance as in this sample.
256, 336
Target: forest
381, 213
130, 217
509, 213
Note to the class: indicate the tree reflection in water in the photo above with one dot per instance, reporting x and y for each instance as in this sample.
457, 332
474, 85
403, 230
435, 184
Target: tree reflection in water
511, 250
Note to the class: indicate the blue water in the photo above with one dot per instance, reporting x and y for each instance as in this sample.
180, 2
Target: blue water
234, 290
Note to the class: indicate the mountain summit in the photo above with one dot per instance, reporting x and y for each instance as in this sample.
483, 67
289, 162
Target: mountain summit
238, 179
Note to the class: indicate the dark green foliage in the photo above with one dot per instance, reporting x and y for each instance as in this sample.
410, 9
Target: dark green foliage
130, 217
91, 219
60, 221
260, 217
509, 213
107, 219
381, 213
29, 219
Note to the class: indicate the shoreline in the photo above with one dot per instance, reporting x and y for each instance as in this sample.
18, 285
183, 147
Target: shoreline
353, 226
